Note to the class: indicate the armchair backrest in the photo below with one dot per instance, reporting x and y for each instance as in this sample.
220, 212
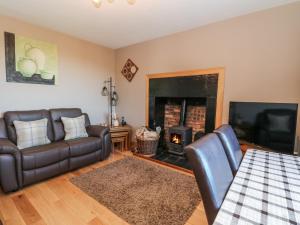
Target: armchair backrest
272, 120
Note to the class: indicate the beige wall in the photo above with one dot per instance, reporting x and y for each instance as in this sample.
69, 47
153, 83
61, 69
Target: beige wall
82, 69
260, 52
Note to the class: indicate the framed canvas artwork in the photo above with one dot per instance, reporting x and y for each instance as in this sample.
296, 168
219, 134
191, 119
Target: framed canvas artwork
30, 61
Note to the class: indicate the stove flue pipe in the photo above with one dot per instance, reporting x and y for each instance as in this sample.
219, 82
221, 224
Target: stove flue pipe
182, 113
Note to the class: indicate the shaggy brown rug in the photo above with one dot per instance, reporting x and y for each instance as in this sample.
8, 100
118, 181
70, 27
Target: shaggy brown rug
142, 193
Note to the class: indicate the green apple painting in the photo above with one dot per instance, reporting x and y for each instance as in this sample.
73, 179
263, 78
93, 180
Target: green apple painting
30, 61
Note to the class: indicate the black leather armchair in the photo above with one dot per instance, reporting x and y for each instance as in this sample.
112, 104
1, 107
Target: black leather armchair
276, 129
212, 172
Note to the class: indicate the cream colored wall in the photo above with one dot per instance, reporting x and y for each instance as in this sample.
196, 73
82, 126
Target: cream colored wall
82, 69
260, 52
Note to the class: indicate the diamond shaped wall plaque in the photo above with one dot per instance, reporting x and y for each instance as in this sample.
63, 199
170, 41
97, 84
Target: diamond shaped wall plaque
129, 70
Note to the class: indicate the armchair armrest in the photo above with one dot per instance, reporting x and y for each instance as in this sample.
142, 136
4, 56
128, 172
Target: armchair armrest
10, 166
104, 134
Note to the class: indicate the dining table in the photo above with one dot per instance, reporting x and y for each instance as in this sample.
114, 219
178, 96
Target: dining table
265, 190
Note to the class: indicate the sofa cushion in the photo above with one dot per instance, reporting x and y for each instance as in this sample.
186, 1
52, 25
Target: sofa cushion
10, 117
38, 174
31, 133
74, 127
40, 156
80, 161
58, 127
82, 146
3, 133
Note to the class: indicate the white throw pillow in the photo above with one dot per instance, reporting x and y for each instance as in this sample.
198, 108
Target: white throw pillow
31, 133
74, 127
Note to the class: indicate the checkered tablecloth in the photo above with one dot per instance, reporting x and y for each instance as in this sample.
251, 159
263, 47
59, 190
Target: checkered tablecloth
265, 190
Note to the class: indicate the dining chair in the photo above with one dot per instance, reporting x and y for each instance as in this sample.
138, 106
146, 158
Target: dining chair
231, 146
212, 172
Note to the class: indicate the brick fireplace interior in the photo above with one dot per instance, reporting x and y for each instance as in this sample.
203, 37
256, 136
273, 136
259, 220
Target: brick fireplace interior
195, 116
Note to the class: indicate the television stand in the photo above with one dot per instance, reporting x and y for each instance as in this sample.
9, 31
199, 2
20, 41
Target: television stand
247, 145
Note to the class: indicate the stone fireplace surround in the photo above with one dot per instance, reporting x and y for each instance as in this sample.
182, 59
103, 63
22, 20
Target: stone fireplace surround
203, 92
165, 99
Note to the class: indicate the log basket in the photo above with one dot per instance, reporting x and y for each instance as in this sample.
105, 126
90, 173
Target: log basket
147, 147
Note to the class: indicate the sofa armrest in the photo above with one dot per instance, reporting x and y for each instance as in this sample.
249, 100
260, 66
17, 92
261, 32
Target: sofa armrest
10, 166
97, 131
104, 134
7, 147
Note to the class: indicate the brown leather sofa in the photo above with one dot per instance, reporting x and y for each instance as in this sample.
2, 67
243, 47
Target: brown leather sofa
19, 168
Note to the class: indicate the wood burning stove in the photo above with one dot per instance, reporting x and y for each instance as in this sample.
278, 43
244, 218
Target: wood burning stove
175, 138
180, 136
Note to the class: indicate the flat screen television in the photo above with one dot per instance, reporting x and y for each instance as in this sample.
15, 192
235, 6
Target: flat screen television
269, 125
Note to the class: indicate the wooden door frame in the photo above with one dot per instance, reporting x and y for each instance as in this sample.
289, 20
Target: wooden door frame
220, 71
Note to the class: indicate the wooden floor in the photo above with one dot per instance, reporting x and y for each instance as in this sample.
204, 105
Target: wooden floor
58, 202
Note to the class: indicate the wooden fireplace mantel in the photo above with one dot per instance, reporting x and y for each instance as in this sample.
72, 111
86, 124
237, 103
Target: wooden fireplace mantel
220, 94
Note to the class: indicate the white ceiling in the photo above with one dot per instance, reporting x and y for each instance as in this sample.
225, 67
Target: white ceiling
119, 24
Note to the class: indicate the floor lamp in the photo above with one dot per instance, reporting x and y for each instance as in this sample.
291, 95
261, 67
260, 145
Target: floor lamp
109, 91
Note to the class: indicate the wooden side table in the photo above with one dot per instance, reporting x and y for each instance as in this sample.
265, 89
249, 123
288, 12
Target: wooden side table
121, 133
121, 141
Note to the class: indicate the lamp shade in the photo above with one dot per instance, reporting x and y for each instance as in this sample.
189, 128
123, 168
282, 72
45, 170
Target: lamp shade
97, 3
104, 91
113, 102
115, 96
131, 2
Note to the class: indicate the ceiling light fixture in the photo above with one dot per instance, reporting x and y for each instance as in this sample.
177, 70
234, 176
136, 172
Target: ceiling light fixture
97, 3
